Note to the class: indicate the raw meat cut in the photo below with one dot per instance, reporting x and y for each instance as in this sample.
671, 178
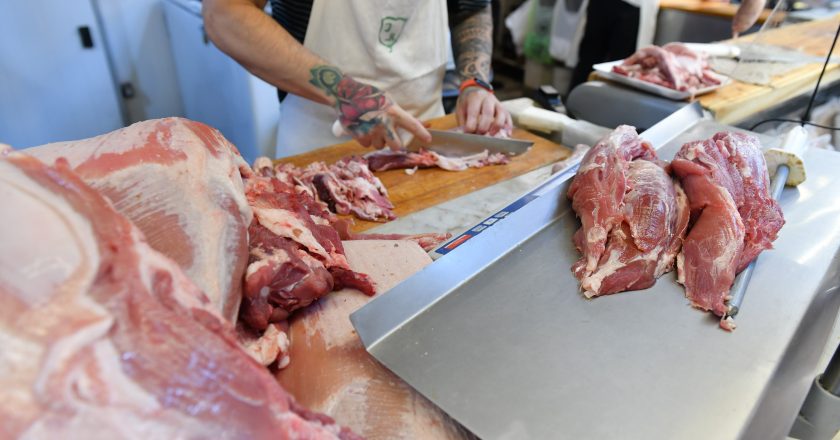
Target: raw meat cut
346, 187
387, 159
104, 337
733, 216
332, 373
597, 192
674, 66
643, 246
179, 182
296, 256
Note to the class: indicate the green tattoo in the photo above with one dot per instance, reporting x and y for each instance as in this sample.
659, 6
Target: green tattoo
361, 107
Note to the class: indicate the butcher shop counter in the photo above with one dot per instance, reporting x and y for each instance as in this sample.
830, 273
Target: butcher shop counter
738, 102
434, 187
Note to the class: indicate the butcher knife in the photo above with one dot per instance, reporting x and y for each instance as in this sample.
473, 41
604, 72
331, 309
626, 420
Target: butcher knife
455, 144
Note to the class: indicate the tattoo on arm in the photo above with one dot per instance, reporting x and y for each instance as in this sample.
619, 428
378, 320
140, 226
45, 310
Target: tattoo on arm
472, 43
361, 107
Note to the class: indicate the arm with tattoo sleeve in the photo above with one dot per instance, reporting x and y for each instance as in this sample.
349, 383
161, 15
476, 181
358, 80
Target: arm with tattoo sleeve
242, 30
478, 110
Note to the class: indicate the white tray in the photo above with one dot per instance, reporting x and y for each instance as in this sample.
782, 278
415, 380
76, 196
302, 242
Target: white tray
605, 70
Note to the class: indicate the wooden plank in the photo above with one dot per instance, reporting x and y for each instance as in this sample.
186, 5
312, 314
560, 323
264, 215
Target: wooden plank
429, 187
738, 101
713, 8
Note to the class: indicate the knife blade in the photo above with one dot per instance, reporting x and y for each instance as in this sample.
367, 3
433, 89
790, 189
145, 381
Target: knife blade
453, 144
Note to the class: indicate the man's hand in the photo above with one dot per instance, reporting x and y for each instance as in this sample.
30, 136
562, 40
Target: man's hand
366, 112
480, 112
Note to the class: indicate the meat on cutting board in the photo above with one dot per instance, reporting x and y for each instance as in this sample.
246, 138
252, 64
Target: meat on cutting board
346, 187
646, 241
179, 182
387, 159
332, 373
733, 216
104, 337
597, 193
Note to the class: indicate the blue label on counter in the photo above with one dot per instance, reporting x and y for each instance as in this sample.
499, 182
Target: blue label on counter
486, 224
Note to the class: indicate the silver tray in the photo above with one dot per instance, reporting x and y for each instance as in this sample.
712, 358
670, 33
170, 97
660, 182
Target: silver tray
498, 335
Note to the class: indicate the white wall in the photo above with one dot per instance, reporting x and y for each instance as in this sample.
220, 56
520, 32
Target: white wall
140, 52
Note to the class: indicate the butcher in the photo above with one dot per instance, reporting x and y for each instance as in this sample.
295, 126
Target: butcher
375, 66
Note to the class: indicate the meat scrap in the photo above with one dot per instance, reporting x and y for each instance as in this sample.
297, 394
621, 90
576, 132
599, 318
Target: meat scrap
733, 216
346, 187
633, 215
104, 337
674, 66
296, 256
386, 159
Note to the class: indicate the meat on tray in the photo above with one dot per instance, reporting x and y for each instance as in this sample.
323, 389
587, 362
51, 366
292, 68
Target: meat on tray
674, 66
733, 216
178, 181
633, 215
104, 337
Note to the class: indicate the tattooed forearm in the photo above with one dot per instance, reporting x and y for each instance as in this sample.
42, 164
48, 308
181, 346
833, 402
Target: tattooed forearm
361, 107
472, 43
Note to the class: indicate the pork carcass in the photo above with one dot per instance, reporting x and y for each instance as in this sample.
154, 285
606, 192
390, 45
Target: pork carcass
733, 216
597, 192
332, 373
644, 244
674, 66
387, 159
179, 182
104, 337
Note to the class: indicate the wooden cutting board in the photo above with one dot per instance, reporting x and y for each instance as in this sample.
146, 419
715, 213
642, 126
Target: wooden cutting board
429, 187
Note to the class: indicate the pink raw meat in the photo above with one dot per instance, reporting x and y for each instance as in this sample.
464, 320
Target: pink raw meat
643, 247
103, 337
674, 66
733, 216
598, 190
386, 159
179, 182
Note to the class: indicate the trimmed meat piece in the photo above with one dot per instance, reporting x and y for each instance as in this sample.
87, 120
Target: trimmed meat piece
733, 216
387, 159
179, 182
643, 247
597, 192
104, 337
296, 255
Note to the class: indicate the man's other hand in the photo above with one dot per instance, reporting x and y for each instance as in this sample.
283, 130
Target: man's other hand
480, 112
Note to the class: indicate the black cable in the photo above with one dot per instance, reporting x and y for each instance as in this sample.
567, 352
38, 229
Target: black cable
794, 121
807, 115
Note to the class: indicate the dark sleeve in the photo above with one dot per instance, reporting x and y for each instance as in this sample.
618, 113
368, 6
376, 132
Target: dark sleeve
293, 15
456, 6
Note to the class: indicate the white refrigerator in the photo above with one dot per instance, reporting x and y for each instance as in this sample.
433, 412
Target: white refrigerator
215, 89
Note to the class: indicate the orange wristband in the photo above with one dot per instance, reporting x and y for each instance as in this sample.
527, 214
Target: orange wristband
475, 82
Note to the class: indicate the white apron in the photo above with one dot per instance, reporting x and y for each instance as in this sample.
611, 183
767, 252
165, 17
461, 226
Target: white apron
399, 46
